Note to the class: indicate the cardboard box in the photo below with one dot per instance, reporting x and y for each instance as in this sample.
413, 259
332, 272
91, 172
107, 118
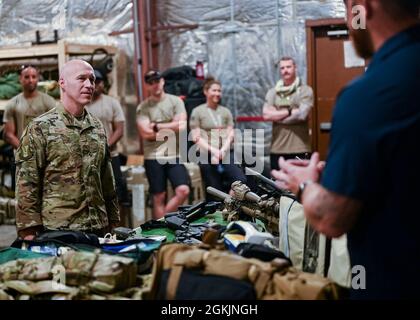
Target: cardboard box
135, 160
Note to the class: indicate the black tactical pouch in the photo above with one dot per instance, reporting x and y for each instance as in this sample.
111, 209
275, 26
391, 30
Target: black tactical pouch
260, 252
197, 286
69, 237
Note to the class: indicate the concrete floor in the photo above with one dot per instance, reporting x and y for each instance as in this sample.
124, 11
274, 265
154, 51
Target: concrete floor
7, 235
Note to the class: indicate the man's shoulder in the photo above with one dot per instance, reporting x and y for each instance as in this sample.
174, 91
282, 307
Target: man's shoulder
109, 99
94, 121
12, 103
174, 102
172, 97
271, 91
46, 97
43, 123
49, 117
305, 87
143, 105
270, 95
304, 91
17, 97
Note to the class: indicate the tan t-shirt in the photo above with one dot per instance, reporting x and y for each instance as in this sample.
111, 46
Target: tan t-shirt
213, 123
161, 112
108, 110
290, 138
21, 110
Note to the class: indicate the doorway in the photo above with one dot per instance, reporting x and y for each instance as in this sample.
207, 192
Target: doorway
332, 63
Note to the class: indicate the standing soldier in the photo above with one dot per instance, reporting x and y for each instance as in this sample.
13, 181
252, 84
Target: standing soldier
64, 173
21, 109
287, 105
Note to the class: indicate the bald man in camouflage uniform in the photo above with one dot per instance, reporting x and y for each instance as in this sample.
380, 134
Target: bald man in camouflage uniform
64, 173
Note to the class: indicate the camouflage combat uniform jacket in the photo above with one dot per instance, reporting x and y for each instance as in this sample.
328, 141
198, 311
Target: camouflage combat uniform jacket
64, 174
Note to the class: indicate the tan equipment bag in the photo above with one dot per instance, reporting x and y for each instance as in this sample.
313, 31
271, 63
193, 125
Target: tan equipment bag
274, 280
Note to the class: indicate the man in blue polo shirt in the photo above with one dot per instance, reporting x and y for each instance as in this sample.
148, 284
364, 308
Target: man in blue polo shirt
371, 182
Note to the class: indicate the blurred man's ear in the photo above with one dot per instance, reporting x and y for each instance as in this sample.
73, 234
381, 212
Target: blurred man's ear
61, 83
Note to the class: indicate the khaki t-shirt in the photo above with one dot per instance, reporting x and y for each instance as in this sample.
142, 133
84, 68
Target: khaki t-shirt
213, 123
162, 111
108, 110
21, 110
290, 138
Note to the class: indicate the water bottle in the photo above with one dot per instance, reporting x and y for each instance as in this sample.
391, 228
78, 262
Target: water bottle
199, 70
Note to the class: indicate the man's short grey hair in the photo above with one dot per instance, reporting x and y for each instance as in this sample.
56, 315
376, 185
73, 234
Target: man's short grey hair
286, 58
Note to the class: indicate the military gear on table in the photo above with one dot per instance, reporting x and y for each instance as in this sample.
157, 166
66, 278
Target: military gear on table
307, 248
298, 240
70, 237
10, 254
50, 290
274, 280
64, 174
340, 267
100, 273
268, 186
245, 202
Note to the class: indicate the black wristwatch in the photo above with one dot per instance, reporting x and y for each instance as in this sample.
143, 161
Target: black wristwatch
302, 187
